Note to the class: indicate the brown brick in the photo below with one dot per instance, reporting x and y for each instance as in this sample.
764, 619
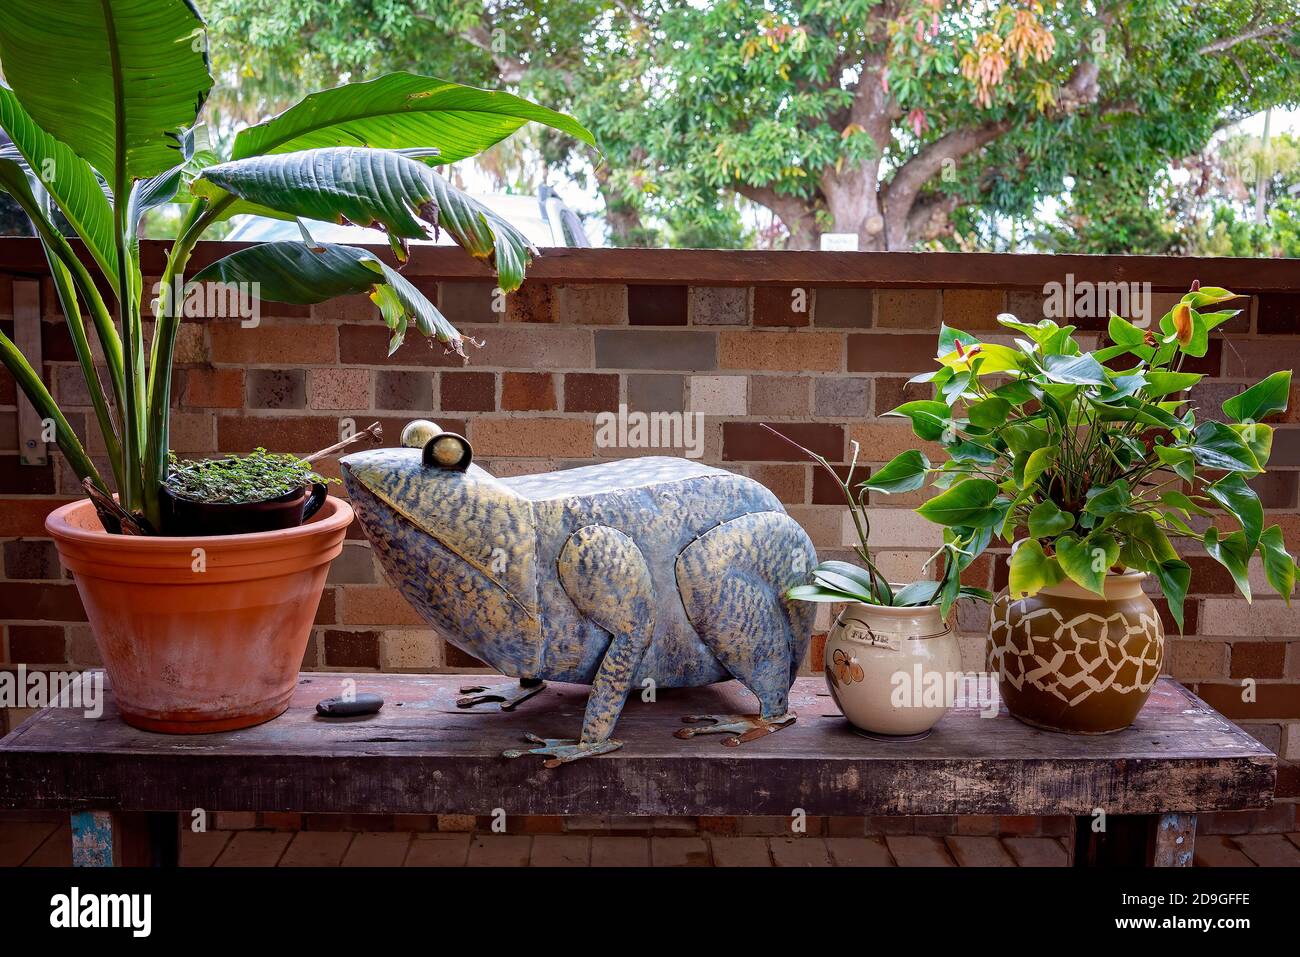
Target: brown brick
70, 385
27, 558
1190, 659
907, 308
844, 307
1258, 659
750, 442
37, 645
352, 649
342, 389
532, 437
84, 650
971, 309
26, 516
1279, 314
1271, 700
367, 344
883, 441
402, 389
19, 479
782, 305
301, 434
882, 352
636, 349
463, 302
782, 351
842, 396
531, 302
1276, 489
786, 482
778, 395
1027, 306
597, 304
377, 605
279, 344
656, 393
468, 391
528, 391
43, 601
590, 392
718, 305
456, 658
214, 388
656, 305
277, 389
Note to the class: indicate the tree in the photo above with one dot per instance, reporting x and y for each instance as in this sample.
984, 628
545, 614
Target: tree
901, 121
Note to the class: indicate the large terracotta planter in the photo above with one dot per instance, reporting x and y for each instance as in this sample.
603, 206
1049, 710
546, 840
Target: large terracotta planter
1070, 660
200, 634
888, 669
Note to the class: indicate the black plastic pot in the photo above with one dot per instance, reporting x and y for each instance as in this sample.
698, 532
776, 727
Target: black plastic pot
182, 516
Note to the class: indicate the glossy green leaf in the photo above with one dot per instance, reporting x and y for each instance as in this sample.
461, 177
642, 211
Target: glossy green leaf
1240, 501
400, 110
817, 593
1124, 333
1231, 552
1258, 438
967, 503
1279, 566
862, 579
917, 593
1108, 499
1179, 459
1175, 577
1032, 570
1047, 520
1074, 370
1086, 561
1028, 468
1216, 446
1164, 383
989, 413
118, 81
1262, 399
930, 419
905, 473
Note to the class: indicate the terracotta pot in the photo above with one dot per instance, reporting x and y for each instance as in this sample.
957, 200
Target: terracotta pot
889, 669
182, 516
200, 634
1070, 660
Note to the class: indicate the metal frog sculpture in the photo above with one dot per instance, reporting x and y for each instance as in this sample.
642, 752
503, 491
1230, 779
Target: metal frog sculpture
608, 575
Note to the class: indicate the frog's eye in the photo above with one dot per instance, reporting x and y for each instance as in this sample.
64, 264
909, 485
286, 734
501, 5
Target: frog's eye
418, 432
447, 450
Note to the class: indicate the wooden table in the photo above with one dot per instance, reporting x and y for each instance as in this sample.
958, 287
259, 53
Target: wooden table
132, 790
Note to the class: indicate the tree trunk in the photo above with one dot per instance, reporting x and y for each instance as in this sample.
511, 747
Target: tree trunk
622, 217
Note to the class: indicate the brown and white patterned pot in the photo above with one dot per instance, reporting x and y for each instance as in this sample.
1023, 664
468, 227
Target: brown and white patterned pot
889, 669
1070, 660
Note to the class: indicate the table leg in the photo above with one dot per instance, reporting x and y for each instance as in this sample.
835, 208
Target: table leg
1136, 840
125, 839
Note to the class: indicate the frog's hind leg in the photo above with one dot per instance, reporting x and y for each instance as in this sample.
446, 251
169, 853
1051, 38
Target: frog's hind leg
607, 578
733, 580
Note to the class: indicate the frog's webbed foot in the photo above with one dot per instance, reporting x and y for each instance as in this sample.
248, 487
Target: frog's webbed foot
508, 693
741, 727
562, 750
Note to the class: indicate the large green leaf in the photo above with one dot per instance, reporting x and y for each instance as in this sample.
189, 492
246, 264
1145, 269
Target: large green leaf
119, 81
1231, 552
381, 188
1279, 566
906, 473
1240, 501
1088, 560
298, 273
401, 110
969, 503
1047, 520
68, 179
1216, 446
1263, 398
1175, 576
1074, 370
930, 419
1032, 570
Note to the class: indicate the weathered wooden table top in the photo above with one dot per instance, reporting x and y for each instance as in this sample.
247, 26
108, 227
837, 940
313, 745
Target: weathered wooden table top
416, 756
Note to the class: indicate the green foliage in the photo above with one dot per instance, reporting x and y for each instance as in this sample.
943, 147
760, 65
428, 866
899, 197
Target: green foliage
103, 107
256, 477
1099, 457
835, 581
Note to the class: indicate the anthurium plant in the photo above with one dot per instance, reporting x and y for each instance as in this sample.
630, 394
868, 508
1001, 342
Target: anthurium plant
1099, 461
102, 107
836, 581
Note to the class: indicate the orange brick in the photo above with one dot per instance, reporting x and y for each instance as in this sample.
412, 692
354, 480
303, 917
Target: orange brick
273, 345
215, 388
26, 516
782, 351
377, 605
531, 437
528, 391
882, 441
971, 309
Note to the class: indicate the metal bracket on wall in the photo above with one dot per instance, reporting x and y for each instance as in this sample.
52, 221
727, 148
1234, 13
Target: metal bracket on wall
27, 337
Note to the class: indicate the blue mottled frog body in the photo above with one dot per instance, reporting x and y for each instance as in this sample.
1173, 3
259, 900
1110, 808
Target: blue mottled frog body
609, 575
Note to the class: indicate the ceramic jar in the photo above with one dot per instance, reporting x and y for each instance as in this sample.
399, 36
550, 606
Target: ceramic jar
889, 669
1070, 660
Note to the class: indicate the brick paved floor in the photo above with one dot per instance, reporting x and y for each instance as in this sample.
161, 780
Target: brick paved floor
45, 841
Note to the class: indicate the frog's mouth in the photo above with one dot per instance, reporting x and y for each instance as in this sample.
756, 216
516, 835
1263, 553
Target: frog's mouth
482, 522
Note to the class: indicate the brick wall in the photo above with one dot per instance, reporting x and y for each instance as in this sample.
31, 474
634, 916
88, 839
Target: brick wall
722, 334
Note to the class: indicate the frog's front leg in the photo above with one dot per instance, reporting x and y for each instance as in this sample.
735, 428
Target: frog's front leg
607, 578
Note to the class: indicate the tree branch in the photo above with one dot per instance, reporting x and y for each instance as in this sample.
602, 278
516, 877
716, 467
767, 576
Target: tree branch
1253, 32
